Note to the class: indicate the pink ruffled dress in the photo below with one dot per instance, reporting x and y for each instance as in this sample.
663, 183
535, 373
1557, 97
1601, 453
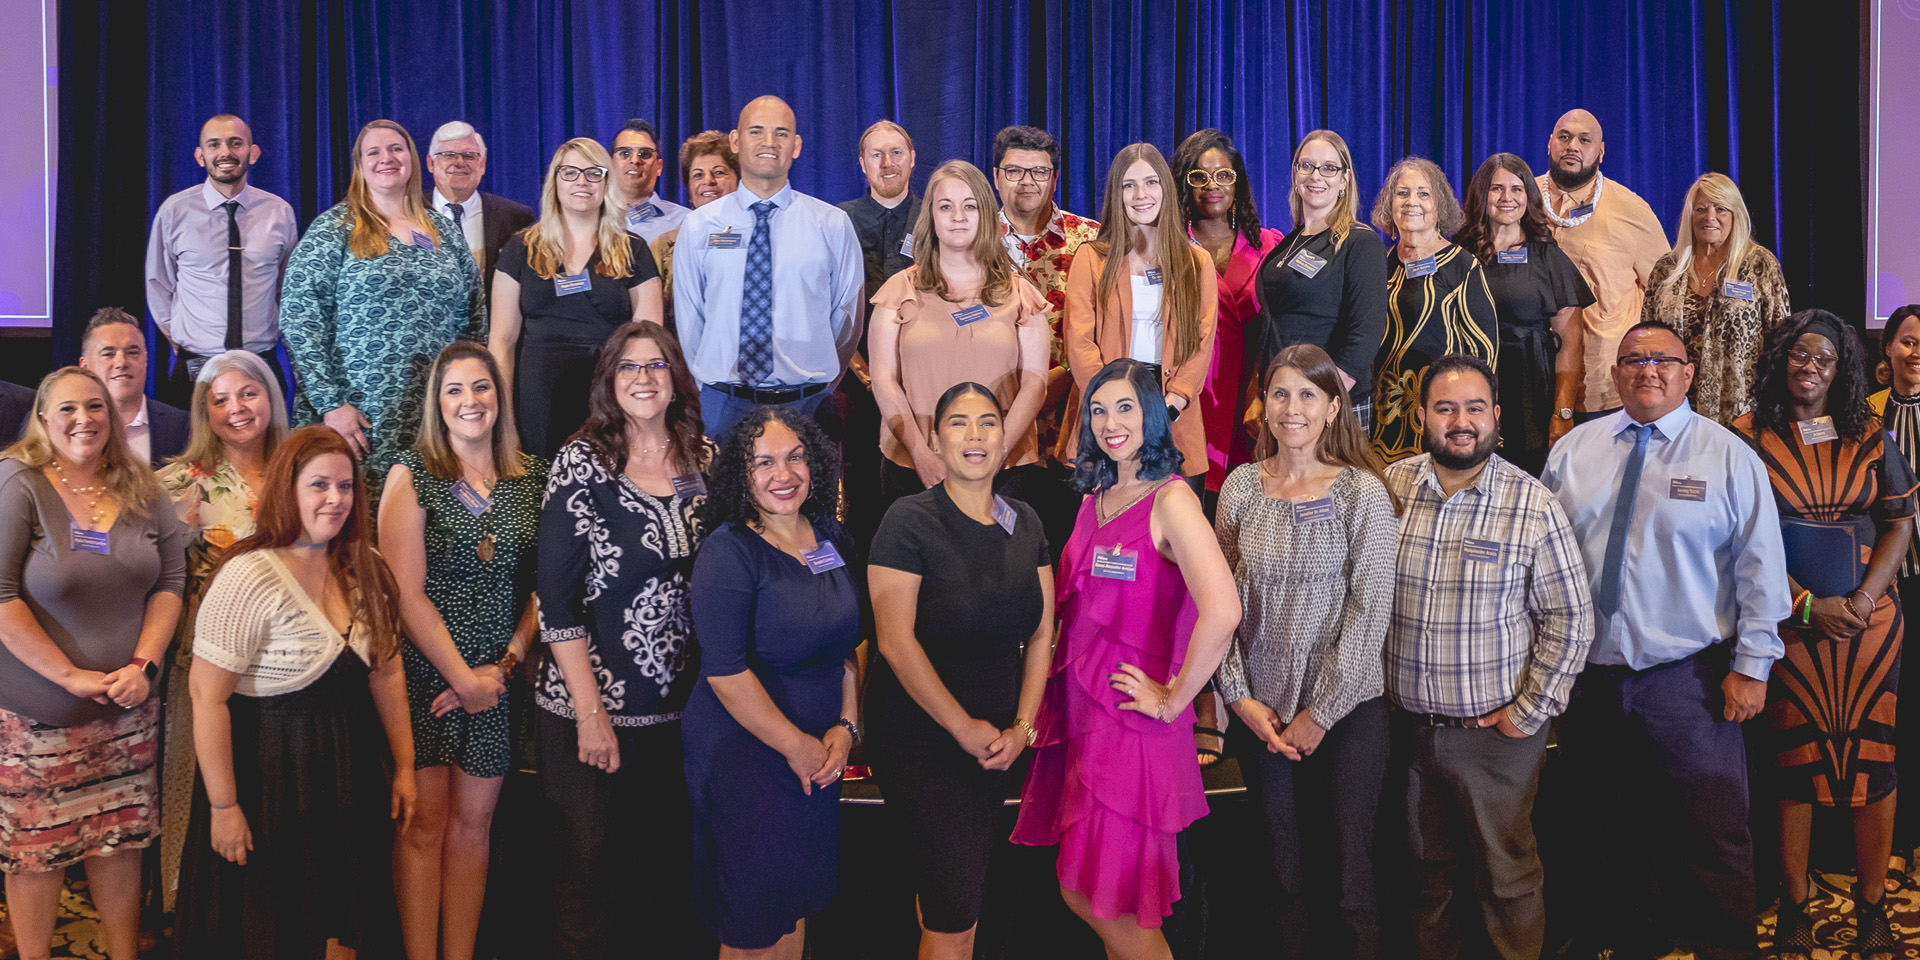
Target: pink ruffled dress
1113, 787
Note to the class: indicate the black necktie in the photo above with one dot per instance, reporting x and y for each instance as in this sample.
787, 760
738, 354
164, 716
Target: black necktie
234, 340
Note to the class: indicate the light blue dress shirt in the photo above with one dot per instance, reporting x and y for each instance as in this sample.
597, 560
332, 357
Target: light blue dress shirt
1695, 572
818, 274
667, 216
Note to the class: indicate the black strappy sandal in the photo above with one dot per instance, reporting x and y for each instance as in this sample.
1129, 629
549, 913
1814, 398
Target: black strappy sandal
1793, 930
1873, 933
1209, 755
1900, 878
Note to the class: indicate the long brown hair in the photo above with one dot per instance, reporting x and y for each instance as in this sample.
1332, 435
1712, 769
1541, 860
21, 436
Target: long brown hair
351, 559
606, 428
1477, 236
546, 239
1342, 443
128, 478
1172, 252
988, 251
432, 444
370, 231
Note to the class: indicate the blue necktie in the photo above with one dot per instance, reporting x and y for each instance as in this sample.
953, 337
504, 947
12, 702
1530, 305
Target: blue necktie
1607, 598
756, 301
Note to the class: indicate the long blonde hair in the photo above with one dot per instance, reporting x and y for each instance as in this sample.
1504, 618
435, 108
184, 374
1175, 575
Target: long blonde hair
435, 452
547, 239
1720, 190
129, 479
370, 231
988, 251
205, 449
1172, 252
1345, 214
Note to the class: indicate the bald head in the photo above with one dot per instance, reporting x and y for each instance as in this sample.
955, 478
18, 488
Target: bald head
226, 149
1574, 149
767, 142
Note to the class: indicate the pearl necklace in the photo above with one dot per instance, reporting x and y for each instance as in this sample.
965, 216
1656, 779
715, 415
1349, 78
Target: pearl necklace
93, 502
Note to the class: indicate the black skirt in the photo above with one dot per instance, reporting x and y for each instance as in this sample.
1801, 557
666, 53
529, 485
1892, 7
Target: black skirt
310, 767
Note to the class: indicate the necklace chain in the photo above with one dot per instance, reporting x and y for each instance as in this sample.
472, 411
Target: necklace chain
89, 492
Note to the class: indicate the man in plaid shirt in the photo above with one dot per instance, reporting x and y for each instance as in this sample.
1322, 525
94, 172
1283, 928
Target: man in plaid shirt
1491, 622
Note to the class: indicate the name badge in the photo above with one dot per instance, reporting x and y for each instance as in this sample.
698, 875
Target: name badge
1313, 511
642, 214
1153, 276
1583, 210
723, 241
469, 497
565, 286
689, 485
1480, 551
1735, 290
906, 245
422, 240
1512, 256
95, 541
1687, 488
1425, 266
973, 314
1817, 430
1003, 514
1115, 564
823, 558
1308, 265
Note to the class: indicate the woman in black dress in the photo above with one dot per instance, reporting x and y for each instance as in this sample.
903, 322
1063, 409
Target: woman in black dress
1537, 298
560, 289
961, 579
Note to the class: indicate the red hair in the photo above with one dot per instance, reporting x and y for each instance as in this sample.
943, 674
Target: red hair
351, 557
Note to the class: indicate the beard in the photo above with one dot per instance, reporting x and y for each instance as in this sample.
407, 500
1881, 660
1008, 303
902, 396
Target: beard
239, 171
1575, 180
1482, 449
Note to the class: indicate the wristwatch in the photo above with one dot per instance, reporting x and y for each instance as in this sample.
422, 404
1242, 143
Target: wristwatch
148, 667
1566, 413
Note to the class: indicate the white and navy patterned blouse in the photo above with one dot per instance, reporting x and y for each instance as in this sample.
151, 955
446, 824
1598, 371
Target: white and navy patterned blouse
613, 568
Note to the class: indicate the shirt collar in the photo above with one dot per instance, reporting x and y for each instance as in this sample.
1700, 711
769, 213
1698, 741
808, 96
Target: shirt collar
744, 199
651, 198
1666, 428
214, 198
1488, 484
468, 208
1053, 223
139, 419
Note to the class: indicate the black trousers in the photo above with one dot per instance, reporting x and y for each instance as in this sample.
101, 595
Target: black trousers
1906, 735
1319, 819
621, 846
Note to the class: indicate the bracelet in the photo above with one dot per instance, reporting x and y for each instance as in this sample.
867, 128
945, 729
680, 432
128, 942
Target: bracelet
229, 806
508, 663
1806, 606
589, 715
853, 729
1160, 712
1032, 732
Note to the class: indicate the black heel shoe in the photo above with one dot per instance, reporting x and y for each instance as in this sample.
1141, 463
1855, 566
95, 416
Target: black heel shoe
1793, 930
1873, 934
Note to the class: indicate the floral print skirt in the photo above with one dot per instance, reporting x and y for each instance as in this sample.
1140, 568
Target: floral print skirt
67, 793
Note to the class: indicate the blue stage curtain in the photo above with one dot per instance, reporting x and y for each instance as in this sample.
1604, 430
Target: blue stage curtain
1681, 87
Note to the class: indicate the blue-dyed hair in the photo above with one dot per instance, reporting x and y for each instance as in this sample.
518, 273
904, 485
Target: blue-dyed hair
1093, 470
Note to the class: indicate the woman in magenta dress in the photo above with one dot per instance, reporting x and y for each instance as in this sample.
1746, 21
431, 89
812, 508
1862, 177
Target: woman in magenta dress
1146, 605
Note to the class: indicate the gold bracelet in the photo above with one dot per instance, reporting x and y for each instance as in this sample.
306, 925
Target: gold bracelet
589, 715
1032, 734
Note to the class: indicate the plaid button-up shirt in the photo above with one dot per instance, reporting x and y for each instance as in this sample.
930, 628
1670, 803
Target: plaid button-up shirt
1491, 606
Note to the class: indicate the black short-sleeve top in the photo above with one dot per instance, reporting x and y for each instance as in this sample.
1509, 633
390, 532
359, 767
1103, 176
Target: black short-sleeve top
1530, 292
590, 314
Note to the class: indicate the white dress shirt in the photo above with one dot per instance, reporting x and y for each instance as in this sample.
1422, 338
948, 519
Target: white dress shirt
818, 274
187, 267
139, 436
654, 216
470, 214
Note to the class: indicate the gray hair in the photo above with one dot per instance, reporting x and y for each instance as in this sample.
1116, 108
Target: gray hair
255, 369
454, 130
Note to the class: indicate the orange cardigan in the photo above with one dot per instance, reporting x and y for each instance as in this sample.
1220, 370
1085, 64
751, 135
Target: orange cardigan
1095, 336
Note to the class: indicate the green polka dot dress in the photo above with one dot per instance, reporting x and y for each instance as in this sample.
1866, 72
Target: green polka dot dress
480, 601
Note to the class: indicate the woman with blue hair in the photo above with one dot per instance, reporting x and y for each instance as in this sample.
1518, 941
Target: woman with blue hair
1114, 777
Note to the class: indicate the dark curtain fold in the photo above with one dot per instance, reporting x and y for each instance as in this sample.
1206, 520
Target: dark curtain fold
1765, 90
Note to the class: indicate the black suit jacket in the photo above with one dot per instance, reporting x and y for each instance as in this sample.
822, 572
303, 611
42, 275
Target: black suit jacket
503, 219
16, 405
167, 430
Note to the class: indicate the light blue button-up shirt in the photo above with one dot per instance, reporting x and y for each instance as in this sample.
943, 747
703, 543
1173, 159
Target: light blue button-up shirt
1694, 572
818, 274
666, 216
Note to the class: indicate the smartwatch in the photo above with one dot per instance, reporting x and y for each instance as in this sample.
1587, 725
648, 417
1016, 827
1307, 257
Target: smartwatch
148, 667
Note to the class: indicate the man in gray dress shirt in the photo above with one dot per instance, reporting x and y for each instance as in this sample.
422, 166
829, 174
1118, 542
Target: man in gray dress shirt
198, 300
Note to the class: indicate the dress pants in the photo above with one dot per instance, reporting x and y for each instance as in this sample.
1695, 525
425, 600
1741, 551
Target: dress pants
1663, 776
1470, 829
1906, 736
720, 410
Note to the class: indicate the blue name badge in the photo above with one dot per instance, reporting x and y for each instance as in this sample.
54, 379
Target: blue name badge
1307, 264
1687, 488
723, 241
1153, 276
1422, 267
1735, 290
1584, 210
823, 558
1513, 256
906, 245
689, 485
95, 541
642, 214
1115, 564
422, 240
565, 286
1313, 511
1003, 514
973, 314
469, 497
1480, 551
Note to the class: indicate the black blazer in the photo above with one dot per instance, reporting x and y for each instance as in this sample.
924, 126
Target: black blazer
504, 218
16, 405
167, 430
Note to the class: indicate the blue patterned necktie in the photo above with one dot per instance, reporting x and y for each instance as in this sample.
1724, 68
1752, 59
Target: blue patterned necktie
756, 301
1607, 598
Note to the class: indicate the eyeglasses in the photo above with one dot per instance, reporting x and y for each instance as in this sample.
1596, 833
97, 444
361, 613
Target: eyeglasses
1658, 363
448, 156
1201, 178
652, 369
1330, 171
1017, 174
570, 173
1811, 361
635, 153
